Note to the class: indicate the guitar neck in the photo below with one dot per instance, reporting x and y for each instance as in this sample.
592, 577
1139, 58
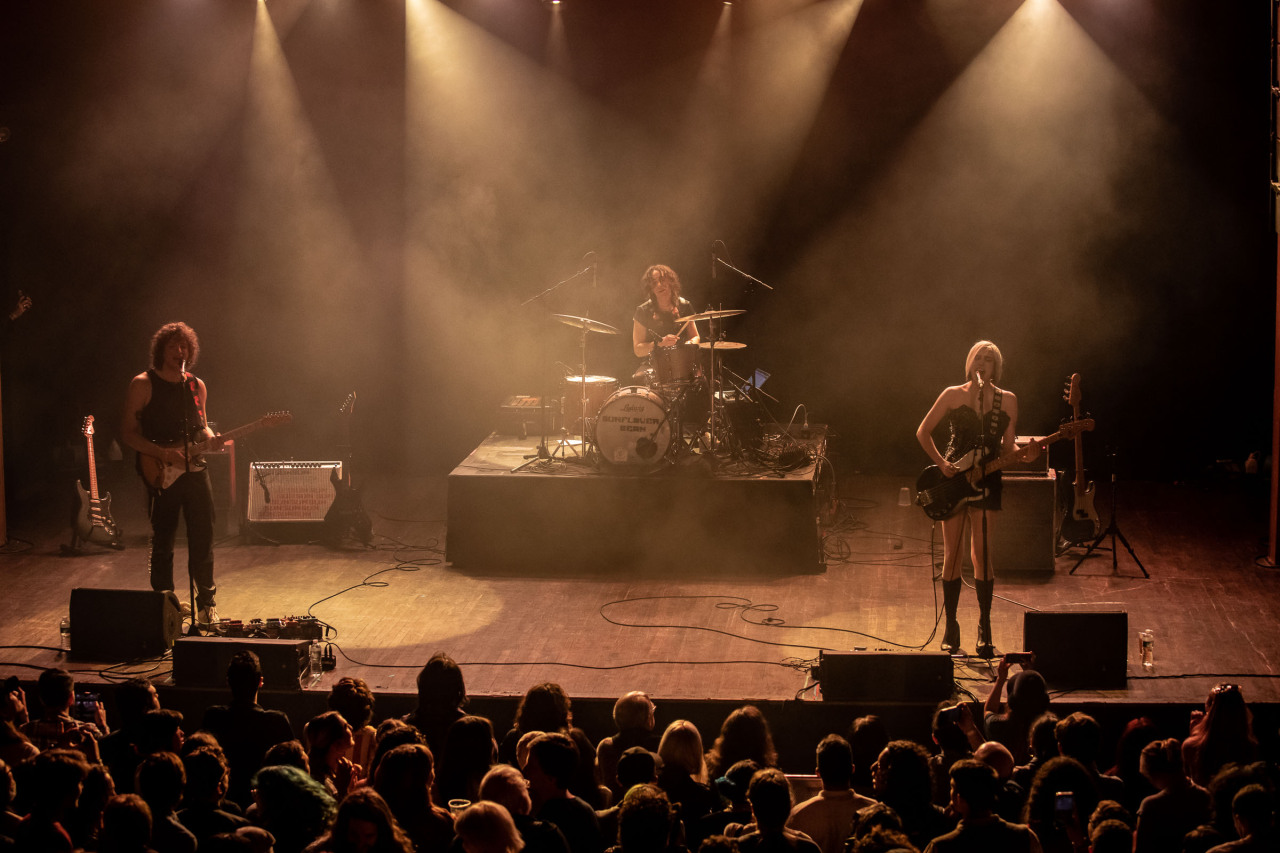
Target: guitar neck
93, 470
203, 446
1019, 455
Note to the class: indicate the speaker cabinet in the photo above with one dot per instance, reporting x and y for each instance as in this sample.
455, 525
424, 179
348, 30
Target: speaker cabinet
886, 676
202, 661
1081, 649
122, 624
1022, 532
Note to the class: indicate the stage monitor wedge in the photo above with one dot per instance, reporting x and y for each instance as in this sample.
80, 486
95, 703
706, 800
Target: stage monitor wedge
886, 676
1078, 649
122, 624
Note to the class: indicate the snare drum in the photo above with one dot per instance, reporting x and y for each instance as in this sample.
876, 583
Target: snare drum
633, 428
675, 363
598, 390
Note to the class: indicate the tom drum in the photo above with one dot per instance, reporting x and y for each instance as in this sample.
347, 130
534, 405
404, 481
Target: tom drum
598, 390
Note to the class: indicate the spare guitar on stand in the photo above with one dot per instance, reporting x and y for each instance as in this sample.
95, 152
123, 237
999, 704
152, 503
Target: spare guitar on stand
346, 515
91, 516
1080, 519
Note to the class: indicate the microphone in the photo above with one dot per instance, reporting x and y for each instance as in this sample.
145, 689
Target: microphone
977, 374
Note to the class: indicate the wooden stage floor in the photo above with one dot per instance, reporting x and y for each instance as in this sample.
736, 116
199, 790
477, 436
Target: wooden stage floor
698, 632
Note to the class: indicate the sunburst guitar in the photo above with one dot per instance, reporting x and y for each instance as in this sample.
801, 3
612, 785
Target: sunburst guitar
161, 475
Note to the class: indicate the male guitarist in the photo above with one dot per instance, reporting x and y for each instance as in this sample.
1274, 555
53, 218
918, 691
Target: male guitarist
164, 413
982, 420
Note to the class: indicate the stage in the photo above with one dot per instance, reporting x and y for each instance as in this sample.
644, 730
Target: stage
699, 635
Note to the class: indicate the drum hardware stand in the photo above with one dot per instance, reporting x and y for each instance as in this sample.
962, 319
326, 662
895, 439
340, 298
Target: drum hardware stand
1113, 530
585, 325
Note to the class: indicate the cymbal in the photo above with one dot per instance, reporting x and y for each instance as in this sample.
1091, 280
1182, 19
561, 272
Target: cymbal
712, 315
721, 345
586, 323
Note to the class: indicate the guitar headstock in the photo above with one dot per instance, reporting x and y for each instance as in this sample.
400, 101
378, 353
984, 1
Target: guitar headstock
276, 418
1071, 393
348, 405
87, 429
1071, 429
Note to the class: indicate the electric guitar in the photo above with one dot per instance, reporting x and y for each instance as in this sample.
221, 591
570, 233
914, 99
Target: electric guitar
346, 513
161, 475
939, 495
92, 521
1080, 521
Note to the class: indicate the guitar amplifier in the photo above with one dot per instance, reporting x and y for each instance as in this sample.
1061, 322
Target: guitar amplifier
291, 491
1039, 466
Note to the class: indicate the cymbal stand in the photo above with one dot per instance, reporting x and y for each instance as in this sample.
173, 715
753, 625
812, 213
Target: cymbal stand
565, 441
1113, 530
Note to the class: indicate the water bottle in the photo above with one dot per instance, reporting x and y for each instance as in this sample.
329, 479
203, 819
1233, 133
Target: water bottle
64, 634
1147, 648
315, 667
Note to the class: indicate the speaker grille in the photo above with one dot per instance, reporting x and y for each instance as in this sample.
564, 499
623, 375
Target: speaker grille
291, 491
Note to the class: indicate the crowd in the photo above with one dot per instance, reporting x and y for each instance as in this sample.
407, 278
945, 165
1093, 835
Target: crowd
1007, 776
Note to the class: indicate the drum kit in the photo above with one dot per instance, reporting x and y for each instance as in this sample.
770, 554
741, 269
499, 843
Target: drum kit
673, 408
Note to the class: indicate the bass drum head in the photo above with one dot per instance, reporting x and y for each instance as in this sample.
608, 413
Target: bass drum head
633, 428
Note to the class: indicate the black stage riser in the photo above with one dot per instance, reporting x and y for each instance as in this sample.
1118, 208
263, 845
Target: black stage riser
531, 522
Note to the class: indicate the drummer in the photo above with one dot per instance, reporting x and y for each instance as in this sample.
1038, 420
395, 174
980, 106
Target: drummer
654, 322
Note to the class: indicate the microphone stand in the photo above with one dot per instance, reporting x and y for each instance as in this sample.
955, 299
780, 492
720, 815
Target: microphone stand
188, 410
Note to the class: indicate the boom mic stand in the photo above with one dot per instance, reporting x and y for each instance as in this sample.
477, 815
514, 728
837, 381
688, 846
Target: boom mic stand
1113, 530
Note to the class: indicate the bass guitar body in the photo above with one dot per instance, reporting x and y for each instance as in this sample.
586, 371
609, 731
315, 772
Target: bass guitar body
1080, 522
941, 496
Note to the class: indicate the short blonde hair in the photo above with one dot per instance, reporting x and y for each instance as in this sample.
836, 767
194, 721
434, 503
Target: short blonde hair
975, 350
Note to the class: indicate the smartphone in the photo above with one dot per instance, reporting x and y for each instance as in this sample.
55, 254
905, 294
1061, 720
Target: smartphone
1024, 658
950, 715
1064, 806
86, 707
12, 684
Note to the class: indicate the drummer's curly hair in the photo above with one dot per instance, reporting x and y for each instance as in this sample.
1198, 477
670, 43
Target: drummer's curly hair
663, 271
168, 332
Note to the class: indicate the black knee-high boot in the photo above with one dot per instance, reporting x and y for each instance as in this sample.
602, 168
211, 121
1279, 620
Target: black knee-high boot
950, 599
986, 591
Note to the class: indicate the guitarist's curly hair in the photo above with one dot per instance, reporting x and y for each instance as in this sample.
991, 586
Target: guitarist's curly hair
168, 332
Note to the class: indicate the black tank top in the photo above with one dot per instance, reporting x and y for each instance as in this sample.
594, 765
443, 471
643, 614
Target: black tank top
165, 413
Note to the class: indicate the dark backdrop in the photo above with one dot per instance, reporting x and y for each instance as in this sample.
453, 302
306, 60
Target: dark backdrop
359, 196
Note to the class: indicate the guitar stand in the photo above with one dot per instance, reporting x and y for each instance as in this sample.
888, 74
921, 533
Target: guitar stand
76, 547
1113, 530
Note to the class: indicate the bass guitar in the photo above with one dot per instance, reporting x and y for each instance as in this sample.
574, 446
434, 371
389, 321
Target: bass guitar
93, 521
1080, 521
939, 495
161, 475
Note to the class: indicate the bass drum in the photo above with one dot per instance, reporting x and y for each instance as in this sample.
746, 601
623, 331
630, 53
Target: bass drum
633, 428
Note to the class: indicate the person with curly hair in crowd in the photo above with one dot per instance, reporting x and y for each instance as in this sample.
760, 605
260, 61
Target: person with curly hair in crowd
744, 734
329, 744
1061, 830
352, 698
902, 782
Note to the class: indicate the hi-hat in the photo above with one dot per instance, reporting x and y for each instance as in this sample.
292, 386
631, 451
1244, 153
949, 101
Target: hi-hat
586, 323
712, 315
719, 345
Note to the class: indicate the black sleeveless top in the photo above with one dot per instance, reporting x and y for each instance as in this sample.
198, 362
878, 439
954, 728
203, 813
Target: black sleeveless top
163, 417
660, 322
